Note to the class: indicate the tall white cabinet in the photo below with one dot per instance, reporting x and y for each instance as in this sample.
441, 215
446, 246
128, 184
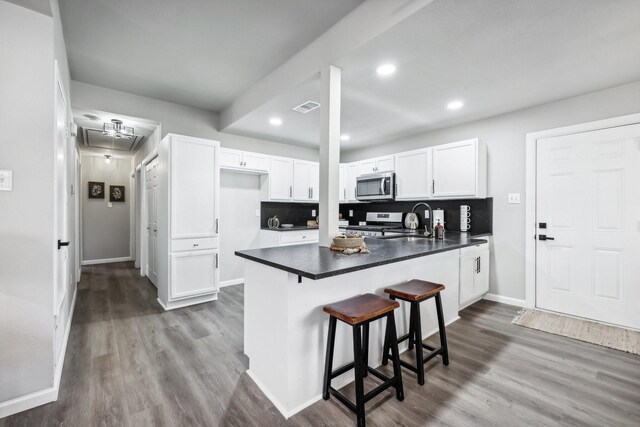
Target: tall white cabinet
188, 224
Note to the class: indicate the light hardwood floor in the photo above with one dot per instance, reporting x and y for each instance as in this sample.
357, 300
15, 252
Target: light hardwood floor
129, 363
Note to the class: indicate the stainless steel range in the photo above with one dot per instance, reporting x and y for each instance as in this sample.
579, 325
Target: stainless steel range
378, 223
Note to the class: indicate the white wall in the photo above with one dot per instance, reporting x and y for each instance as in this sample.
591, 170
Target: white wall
106, 230
175, 118
239, 225
26, 228
505, 137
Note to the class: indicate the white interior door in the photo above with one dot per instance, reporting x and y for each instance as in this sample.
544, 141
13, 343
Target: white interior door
61, 196
151, 189
588, 202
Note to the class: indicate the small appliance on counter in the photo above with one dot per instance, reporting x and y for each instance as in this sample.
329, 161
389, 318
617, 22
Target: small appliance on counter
411, 221
438, 216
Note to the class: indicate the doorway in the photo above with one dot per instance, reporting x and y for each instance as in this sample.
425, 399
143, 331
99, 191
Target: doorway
586, 223
151, 219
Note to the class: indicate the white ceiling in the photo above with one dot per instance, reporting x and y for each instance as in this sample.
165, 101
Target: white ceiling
192, 52
495, 55
90, 124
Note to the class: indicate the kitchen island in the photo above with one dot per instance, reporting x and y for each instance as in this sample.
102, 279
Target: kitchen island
286, 287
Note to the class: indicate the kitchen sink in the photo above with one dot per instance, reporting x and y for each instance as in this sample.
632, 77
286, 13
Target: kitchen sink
418, 238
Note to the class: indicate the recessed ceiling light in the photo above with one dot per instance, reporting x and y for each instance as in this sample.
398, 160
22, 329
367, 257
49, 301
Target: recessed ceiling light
455, 105
344, 137
386, 69
275, 121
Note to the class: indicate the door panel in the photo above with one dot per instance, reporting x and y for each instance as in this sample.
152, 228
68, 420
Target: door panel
454, 169
280, 179
301, 183
314, 181
257, 162
193, 273
230, 158
587, 194
61, 196
385, 164
151, 189
412, 175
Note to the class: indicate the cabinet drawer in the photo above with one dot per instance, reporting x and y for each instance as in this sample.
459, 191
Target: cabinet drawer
179, 245
288, 237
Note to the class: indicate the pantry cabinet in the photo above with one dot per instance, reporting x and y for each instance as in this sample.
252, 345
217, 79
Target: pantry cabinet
188, 224
281, 179
474, 273
413, 174
459, 169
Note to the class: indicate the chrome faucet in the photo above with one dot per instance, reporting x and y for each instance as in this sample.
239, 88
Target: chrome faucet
430, 221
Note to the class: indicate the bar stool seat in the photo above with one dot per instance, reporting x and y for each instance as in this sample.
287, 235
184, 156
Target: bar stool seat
416, 291
359, 312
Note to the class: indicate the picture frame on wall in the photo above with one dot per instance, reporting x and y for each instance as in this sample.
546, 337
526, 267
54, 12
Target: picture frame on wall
116, 193
96, 190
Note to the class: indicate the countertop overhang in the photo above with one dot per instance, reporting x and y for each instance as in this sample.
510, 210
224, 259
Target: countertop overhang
315, 262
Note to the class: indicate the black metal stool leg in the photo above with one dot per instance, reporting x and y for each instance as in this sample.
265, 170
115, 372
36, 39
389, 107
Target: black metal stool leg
385, 347
365, 348
417, 327
359, 375
411, 327
328, 364
443, 334
395, 354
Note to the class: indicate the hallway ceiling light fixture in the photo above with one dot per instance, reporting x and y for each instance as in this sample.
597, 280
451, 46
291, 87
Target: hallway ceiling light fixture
115, 129
107, 158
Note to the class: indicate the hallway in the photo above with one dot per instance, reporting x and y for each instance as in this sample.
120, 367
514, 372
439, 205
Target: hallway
129, 363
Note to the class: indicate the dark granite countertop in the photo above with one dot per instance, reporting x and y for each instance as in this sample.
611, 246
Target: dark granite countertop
315, 262
294, 228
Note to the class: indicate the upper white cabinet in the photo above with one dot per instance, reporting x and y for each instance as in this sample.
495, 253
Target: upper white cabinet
306, 181
243, 161
460, 169
281, 178
352, 175
342, 194
193, 188
413, 179
377, 165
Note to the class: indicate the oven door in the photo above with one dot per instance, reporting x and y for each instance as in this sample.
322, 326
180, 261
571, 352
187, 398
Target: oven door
375, 187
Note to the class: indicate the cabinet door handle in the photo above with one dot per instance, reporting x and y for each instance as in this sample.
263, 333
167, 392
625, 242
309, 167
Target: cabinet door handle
396, 190
312, 192
217, 226
290, 191
345, 193
216, 260
433, 186
195, 245
479, 265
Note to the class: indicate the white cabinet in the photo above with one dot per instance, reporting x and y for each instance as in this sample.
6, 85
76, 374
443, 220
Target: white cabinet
281, 178
377, 165
271, 238
342, 194
243, 161
474, 273
193, 273
188, 205
459, 169
306, 181
352, 175
413, 175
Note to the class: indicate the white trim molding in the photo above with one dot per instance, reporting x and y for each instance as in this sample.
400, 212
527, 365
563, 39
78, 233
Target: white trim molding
106, 260
531, 191
233, 282
505, 300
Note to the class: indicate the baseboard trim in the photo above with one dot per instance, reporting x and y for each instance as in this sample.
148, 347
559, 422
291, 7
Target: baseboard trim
27, 401
233, 282
172, 305
106, 260
505, 300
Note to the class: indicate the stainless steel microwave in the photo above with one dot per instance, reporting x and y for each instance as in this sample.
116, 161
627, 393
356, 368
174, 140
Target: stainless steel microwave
379, 186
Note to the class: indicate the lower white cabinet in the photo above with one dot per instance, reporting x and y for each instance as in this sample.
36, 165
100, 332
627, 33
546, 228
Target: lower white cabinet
193, 273
270, 238
474, 273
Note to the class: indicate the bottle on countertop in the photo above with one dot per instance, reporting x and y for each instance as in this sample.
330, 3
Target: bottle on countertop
439, 231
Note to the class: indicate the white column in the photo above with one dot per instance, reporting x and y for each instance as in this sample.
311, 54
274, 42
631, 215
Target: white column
329, 153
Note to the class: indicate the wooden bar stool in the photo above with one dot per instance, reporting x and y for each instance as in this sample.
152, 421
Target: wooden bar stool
359, 312
415, 291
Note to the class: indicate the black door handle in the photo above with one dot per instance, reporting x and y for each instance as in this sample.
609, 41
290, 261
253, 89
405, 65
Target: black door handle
61, 244
543, 237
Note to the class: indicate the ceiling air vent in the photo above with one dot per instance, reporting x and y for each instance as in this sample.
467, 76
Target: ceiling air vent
305, 107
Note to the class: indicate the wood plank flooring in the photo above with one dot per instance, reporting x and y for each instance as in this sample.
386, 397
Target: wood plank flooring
129, 363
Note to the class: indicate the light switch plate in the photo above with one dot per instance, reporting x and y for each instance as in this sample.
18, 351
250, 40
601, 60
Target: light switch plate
313, 213
350, 213
257, 212
6, 180
109, 205
513, 198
